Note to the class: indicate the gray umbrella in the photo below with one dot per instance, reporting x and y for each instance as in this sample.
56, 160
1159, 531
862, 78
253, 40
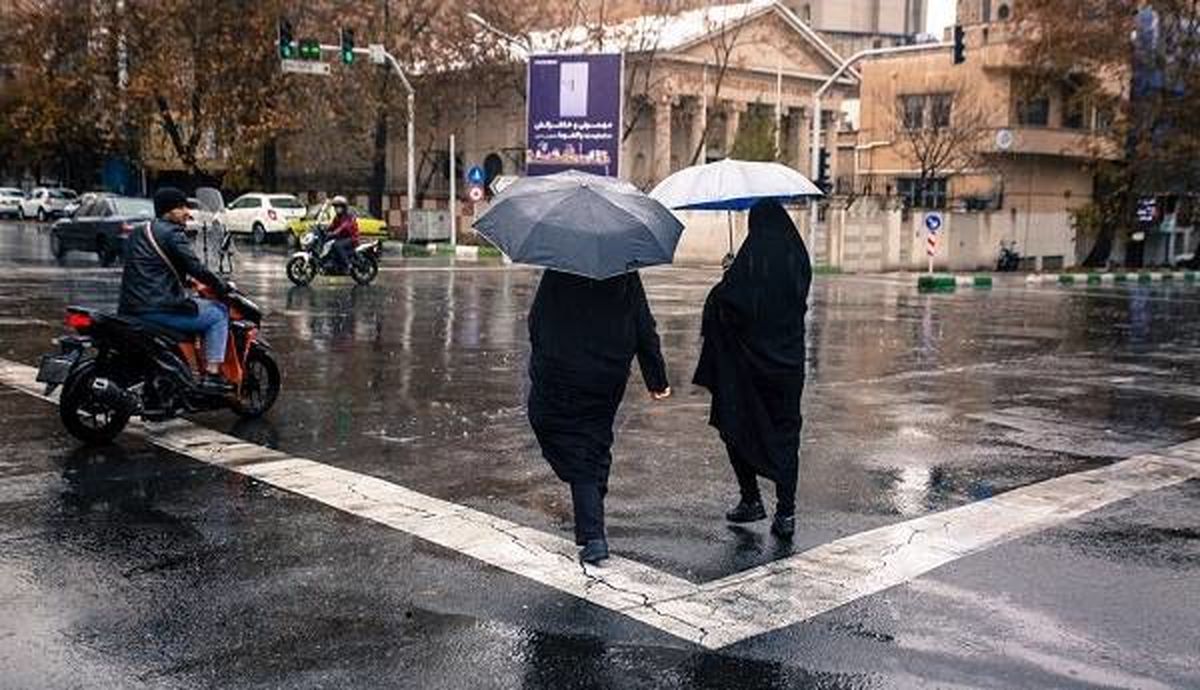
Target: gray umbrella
578, 223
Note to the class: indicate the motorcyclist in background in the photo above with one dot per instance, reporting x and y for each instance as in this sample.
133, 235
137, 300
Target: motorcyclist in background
343, 230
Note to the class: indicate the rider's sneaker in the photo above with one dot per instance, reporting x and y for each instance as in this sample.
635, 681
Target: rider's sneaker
215, 384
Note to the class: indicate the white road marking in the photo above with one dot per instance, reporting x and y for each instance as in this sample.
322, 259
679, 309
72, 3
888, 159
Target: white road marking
714, 614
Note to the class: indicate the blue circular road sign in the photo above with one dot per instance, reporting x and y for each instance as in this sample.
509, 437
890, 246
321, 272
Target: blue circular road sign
933, 222
476, 175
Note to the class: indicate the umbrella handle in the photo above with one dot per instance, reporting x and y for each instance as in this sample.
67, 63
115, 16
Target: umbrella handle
729, 216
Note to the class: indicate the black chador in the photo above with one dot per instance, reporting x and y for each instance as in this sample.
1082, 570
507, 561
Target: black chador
584, 335
752, 360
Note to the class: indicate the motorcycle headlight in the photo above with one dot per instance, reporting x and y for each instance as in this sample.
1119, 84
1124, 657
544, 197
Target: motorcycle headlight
307, 238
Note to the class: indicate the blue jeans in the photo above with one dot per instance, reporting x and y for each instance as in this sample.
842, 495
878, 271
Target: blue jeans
211, 319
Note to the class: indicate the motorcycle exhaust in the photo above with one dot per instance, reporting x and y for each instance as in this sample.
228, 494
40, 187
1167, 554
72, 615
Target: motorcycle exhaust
109, 393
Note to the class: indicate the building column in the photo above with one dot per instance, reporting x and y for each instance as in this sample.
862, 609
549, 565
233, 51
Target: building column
733, 118
831, 145
662, 140
696, 138
795, 146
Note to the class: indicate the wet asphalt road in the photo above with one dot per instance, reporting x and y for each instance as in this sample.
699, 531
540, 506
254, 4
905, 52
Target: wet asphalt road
130, 566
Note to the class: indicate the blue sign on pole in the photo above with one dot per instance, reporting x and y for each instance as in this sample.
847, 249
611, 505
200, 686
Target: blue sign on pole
574, 109
933, 222
476, 175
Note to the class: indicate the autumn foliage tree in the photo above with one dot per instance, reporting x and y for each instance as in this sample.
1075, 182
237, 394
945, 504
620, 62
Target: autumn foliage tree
1141, 66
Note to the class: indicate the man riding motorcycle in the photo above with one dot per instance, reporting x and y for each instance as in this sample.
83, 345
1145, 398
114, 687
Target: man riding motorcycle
159, 259
344, 232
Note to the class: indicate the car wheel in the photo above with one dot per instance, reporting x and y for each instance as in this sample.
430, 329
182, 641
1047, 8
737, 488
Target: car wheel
41, 216
57, 248
259, 234
105, 252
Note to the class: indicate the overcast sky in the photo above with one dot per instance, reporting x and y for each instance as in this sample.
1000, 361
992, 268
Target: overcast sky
941, 15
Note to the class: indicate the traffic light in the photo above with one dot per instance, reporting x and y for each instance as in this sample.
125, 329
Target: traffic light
823, 170
347, 46
960, 45
310, 49
287, 44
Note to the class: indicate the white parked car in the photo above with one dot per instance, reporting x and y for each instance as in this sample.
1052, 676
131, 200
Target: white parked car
10, 201
261, 215
45, 203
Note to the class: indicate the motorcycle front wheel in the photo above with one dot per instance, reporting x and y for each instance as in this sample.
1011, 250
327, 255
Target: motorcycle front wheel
364, 269
85, 416
301, 271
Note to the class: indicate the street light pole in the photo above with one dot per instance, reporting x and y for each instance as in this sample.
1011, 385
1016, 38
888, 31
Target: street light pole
815, 153
487, 26
379, 55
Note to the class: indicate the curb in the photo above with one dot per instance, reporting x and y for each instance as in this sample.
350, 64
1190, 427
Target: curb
934, 282
1102, 278
462, 251
946, 282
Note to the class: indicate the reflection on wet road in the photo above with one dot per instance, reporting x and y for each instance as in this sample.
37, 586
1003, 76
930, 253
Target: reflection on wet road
915, 404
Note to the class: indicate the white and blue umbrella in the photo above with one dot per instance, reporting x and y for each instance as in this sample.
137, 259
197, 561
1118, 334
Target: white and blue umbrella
732, 185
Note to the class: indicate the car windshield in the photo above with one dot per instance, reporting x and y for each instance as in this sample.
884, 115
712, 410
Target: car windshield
134, 207
60, 194
10, 191
286, 202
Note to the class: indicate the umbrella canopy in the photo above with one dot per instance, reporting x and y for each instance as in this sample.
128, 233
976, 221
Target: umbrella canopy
583, 224
731, 185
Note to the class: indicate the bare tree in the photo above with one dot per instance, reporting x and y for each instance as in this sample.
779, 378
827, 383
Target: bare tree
723, 39
942, 133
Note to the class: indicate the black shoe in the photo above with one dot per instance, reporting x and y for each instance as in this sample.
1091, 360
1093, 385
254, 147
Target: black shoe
594, 551
215, 384
784, 526
752, 511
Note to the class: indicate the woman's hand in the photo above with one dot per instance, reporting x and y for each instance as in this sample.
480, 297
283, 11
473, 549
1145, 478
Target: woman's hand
662, 394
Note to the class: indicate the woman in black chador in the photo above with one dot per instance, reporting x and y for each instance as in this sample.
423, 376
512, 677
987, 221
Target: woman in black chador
584, 335
752, 362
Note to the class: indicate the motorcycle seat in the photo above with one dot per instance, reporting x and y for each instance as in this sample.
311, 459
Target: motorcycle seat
148, 326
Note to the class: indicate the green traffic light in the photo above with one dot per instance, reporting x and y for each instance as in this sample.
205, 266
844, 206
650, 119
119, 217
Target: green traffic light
347, 36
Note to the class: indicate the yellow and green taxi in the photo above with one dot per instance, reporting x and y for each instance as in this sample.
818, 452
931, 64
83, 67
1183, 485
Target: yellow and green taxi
369, 228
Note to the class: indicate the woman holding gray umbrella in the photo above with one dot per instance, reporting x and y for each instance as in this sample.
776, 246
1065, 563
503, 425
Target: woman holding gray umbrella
752, 361
589, 319
584, 335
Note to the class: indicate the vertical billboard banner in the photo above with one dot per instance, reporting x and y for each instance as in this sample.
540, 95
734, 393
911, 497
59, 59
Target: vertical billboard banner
574, 114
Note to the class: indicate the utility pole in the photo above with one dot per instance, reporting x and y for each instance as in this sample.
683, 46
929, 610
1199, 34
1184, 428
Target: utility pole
453, 196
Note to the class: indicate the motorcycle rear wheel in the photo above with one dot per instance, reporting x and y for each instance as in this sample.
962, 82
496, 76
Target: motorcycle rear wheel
301, 271
85, 417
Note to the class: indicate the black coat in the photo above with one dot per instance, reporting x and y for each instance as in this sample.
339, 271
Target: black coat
752, 360
584, 334
148, 284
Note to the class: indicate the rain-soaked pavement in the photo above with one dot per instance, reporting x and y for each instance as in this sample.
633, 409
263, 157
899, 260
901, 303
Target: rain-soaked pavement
132, 566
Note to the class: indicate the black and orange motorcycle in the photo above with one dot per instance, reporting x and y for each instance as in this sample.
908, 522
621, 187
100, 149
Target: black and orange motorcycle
113, 367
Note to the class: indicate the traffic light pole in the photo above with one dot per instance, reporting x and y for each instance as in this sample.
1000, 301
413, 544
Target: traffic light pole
816, 107
411, 102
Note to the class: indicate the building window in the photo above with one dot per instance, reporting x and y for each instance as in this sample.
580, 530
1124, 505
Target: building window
1034, 111
932, 196
806, 13
1003, 13
912, 112
987, 11
940, 106
932, 111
